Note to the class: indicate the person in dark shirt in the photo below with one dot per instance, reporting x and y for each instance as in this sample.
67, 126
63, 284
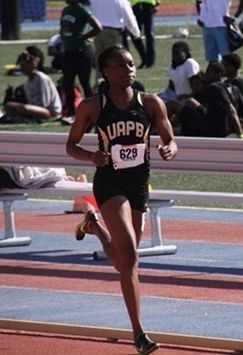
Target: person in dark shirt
77, 49
232, 65
217, 117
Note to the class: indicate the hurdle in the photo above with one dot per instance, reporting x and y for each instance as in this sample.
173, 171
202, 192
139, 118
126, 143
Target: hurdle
183, 340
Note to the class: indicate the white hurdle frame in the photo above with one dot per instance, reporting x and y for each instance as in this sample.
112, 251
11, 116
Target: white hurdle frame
184, 340
10, 238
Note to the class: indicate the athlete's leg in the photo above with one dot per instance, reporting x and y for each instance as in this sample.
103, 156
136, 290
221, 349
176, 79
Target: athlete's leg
118, 217
126, 228
97, 228
13, 108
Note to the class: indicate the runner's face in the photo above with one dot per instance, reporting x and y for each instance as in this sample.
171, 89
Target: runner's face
121, 70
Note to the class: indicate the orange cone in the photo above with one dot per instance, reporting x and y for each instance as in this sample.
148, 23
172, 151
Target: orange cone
83, 204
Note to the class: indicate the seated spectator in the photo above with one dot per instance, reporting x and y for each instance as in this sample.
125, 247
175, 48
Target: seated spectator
42, 98
15, 69
217, 117
182, 68
197, 83
232, 64
30, 177
35, 52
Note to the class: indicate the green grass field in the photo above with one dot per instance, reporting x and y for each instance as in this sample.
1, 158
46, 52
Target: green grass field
154, 80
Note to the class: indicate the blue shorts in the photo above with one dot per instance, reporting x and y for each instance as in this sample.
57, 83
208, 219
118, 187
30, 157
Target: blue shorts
215, 43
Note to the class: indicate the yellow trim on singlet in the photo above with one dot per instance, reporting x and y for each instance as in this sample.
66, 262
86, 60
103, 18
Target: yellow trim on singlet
104, 138
103, 101
103, 135
139, 98
146, 138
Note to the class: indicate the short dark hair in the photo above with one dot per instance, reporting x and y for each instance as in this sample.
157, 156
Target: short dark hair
199, 76
34, 52
108, 54
232, 59
217, 67
26, 57
184, 46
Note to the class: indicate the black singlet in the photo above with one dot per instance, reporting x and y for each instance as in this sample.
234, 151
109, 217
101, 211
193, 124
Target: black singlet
125, 134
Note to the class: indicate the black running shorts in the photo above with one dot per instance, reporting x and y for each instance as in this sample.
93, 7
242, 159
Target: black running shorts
131, 183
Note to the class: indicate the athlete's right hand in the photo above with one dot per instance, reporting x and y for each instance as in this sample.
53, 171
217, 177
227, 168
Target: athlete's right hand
100, 158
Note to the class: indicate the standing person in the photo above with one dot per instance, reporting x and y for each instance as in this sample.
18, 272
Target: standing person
144, 11
123, 118
138, 44
78, 53
117, 17
213, 18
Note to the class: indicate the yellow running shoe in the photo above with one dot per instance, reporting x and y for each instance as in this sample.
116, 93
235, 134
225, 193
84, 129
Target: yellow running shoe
83, 228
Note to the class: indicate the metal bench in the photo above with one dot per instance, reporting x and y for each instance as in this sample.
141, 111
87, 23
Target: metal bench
196, 155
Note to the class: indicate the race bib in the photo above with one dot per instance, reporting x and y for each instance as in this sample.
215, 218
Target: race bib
127, 156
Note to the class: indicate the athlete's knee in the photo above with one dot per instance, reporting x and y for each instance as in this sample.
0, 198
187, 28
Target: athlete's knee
129, 259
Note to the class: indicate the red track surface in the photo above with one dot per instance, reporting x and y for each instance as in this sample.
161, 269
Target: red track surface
36, 344
183, 285
83, 278
172, 284
186, 230
64, 277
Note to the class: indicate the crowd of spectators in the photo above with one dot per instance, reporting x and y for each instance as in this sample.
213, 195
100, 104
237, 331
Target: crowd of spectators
86, 30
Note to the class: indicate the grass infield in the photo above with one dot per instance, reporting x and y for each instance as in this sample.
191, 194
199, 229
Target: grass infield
154, 79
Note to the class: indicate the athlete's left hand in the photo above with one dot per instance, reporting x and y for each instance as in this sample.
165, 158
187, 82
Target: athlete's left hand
167, 151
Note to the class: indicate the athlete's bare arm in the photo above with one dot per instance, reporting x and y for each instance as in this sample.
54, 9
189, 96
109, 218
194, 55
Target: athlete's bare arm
158, 113
87, 113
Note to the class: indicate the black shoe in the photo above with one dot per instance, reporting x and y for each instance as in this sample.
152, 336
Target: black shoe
67, 121
145, 345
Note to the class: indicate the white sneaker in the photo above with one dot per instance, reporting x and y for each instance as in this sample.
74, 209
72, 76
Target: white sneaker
67, 121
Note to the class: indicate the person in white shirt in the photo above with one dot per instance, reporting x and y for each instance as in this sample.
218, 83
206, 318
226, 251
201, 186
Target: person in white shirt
182, 68
42, 98
213, 18
117, 16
